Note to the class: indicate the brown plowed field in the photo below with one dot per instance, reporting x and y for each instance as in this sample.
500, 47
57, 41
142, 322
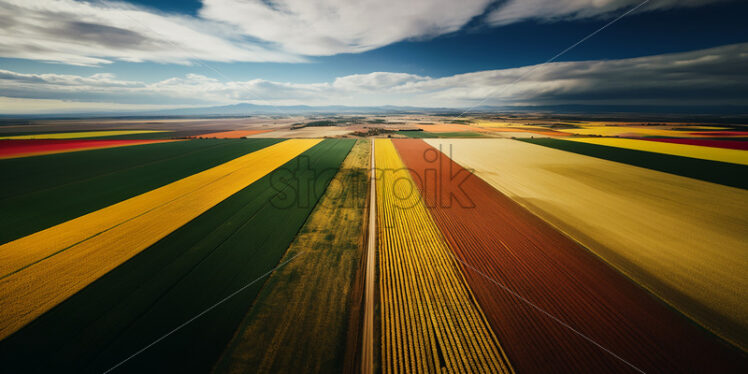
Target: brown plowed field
554, 306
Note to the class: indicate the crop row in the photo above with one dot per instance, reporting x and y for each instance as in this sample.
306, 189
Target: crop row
430, 320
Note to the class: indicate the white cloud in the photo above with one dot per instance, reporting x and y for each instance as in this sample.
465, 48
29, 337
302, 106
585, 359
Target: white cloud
554, 10
326, 27
706, 77
97, 33
83, 33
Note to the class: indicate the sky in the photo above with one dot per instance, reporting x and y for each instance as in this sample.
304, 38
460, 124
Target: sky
59, 56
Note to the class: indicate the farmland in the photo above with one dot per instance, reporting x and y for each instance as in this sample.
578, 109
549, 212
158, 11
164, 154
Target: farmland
14, 148
600, 203
306, 305
187, 258
430, 321
44, 191
732, 156
518, 266
488, 243
101, 240
729, 174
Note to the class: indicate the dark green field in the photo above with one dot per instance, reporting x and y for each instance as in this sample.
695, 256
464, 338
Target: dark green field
235, 243
42, 191
711, 171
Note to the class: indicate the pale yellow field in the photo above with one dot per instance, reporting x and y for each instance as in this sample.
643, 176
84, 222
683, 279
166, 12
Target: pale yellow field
426, 304
78, 135
681, 238
40, 270
734, 156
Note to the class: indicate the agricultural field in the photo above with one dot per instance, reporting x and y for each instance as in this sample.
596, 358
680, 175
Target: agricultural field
520, 268
187, 259
429, 319
81, 134
726, 173
600, 204
310, 300
15, 148
355, 243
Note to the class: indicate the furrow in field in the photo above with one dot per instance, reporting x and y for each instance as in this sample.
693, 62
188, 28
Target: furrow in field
74, 253
680, 238
430, 320
515, 262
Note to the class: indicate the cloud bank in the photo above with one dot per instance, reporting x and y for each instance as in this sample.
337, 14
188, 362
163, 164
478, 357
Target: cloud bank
96, 33
711, 76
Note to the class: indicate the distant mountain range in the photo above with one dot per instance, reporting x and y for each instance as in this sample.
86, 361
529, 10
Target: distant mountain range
247, 109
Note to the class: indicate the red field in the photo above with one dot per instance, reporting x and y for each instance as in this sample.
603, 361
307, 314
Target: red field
721, 133
729, 144
554, 306
12, 148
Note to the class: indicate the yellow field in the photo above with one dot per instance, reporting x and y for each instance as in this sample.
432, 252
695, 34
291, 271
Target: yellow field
681, 238
426, 305
624, 130
734, 156
40, 270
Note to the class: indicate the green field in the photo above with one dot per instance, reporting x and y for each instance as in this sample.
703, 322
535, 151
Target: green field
233, 244
42, 191
711, 171
304, 309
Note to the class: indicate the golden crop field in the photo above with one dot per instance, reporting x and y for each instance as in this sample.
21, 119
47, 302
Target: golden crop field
80, 134
40, 270
735, 156
682, 239
430, 320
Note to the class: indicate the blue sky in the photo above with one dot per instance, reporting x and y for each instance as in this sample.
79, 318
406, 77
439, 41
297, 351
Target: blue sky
430, 55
